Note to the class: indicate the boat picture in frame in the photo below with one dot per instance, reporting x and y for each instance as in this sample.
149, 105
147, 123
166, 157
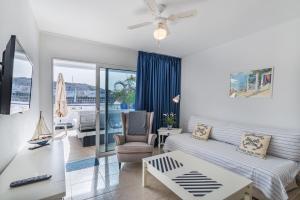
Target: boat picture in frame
253, 83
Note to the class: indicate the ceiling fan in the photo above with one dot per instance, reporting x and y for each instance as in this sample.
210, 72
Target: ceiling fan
161, 21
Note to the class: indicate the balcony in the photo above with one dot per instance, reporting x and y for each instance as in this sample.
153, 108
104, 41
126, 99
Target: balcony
81, 122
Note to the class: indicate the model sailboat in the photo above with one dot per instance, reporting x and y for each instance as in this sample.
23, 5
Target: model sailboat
41, 135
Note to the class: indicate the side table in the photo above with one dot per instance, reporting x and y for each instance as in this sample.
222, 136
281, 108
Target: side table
166, 132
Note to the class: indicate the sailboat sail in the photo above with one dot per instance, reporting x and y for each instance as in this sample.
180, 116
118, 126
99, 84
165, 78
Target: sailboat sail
42, 132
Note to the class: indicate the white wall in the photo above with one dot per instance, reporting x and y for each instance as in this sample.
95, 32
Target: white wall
64, 47
16, 18
205, 79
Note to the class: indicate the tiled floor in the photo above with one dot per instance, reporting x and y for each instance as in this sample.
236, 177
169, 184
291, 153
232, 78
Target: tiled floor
106, 181
74, 150
73, 146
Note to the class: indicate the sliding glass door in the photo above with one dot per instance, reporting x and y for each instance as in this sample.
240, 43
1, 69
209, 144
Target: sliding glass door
120, 98
96, 96
117, 95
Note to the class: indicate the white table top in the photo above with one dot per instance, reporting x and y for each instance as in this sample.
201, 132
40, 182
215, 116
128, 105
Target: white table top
45, 160
231, 182
173, 130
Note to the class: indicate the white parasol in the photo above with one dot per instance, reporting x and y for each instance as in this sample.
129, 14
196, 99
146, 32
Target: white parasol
61, 109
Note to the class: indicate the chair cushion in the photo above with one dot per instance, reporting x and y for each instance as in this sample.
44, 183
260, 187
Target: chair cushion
134, 137
134, 147
137, 123
137, 138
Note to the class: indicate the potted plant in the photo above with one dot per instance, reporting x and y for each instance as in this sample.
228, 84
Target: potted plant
169, 119
124, 92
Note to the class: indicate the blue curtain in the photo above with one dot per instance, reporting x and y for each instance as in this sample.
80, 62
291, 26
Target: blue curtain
158, 81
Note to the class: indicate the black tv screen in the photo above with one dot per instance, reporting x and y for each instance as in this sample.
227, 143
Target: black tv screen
16, 79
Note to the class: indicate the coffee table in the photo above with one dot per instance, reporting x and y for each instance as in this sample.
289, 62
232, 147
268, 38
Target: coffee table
192, 178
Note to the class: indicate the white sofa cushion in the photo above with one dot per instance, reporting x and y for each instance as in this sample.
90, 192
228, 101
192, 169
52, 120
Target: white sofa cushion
284, 143
270, 175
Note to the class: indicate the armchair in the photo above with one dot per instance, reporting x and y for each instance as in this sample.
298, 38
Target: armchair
133, 148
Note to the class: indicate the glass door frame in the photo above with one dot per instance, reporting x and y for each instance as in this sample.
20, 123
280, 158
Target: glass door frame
97, 138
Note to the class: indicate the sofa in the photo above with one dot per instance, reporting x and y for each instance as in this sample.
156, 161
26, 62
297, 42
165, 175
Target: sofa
272, 177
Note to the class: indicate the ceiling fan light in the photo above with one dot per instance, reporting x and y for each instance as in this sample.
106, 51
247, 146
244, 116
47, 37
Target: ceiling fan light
160, 32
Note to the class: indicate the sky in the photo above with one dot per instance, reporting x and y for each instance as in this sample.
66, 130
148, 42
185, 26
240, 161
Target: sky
88, 75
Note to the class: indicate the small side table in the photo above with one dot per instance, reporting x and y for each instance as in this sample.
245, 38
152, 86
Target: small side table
166, 132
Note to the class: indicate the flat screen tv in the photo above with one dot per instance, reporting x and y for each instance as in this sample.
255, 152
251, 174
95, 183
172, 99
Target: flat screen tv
15, 79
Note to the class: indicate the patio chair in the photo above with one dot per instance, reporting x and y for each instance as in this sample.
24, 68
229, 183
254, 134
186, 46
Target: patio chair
131, 147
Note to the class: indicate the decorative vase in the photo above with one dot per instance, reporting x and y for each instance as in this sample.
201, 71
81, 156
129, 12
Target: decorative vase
169, 127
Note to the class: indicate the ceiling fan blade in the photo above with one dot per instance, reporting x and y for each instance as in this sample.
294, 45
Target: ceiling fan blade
182, 15
152, 6
139, 25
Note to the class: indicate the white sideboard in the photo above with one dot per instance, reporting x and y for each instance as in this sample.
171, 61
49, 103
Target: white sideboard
27, 163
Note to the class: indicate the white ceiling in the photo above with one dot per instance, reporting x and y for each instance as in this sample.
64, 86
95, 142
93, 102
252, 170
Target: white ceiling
217, 22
